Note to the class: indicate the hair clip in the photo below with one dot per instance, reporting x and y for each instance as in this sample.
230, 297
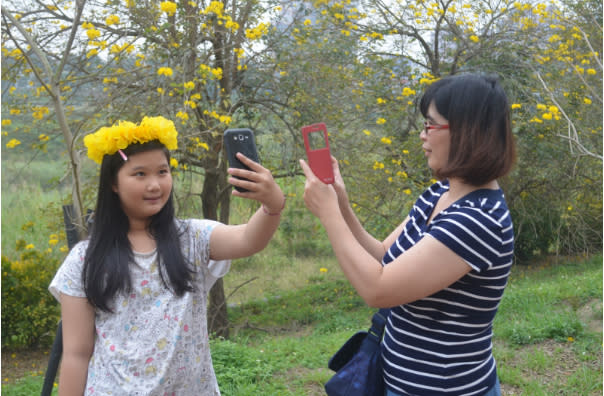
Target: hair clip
122, 155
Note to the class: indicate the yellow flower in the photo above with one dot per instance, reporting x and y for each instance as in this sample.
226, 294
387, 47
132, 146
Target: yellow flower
107, 140
217, 73
380, 121
408, 91
168, 7
367, 132
323, 270
43, 138
112, 20
541, 107
407, 191
39, 112
587, 101
386, 140
182, 115
516, 106
13, 143
93, 34
173, 162
29, 246
547, 116
164, 71
474, 38
6, 122
189, 85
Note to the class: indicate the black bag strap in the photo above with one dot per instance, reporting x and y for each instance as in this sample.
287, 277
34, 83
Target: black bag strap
378, 322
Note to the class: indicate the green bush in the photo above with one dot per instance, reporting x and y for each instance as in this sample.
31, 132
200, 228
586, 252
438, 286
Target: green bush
29, 312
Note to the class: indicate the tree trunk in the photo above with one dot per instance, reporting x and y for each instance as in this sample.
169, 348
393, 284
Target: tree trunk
214, 195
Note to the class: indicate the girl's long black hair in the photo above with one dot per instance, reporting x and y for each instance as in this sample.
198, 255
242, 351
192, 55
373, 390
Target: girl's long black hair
106, 269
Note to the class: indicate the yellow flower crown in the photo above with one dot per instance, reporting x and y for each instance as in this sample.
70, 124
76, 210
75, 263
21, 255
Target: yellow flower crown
108, 140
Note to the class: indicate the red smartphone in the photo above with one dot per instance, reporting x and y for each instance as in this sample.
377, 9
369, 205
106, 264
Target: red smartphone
317, 151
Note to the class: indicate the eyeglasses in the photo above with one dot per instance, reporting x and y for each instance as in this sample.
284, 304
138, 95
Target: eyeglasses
428, 127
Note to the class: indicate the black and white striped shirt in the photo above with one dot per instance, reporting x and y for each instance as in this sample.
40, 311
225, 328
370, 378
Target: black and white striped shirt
441, 344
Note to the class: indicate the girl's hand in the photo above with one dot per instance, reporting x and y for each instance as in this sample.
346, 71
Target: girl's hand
260, 184
320, 198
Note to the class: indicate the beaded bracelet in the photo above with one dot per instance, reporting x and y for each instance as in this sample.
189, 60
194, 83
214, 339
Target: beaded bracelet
274, 214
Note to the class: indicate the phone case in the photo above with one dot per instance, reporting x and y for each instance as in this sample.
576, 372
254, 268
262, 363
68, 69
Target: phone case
316, 144
240, 141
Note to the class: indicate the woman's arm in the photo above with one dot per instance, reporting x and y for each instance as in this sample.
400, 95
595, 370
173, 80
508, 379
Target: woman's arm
236, 241
77, 318
375, 247
424, 269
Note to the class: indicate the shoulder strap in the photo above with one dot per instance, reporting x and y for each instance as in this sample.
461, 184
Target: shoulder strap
378, 322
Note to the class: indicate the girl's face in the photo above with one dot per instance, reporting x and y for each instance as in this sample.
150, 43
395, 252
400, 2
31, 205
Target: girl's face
144, 184
436, 141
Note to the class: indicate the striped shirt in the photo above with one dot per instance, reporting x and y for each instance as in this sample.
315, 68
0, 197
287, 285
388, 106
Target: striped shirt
441, 344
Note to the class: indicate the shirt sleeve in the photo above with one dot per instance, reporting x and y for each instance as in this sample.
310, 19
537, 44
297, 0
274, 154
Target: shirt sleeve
198, 251
68, 279
473, 234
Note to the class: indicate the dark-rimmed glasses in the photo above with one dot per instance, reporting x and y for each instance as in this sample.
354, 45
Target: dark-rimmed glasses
428, 127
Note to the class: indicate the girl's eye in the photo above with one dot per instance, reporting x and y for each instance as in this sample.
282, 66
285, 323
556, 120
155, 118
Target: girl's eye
164, 172
139, 174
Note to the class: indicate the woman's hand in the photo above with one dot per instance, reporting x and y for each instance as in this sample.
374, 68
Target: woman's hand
338, 184
320, 198
260, 184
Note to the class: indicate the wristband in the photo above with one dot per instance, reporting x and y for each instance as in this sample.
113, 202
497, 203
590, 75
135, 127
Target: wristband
277, 213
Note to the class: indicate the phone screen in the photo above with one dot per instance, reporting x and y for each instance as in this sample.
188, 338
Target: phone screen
316, 140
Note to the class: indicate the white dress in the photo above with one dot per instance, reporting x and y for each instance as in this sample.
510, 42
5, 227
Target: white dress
154, 343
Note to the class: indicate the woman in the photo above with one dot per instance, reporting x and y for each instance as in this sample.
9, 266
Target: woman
443, 270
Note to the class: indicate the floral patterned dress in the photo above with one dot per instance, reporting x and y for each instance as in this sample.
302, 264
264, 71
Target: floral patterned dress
154, 343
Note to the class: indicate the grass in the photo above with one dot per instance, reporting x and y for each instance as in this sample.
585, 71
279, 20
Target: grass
548, 332
290, 307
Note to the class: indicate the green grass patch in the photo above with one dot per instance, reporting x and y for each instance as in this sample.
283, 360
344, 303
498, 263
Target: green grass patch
548, 336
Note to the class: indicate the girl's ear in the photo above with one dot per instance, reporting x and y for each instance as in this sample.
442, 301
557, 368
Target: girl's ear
114, 187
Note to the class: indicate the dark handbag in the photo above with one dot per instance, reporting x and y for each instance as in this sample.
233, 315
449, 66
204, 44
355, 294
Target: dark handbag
358, 363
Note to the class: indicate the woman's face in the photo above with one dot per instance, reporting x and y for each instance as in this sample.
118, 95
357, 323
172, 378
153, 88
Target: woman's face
144, 184
436, 139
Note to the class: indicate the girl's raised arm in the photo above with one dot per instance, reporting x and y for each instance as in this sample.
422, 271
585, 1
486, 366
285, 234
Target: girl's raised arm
236, 241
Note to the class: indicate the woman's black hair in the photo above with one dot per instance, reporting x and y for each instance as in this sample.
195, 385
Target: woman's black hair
106, 269
477, 110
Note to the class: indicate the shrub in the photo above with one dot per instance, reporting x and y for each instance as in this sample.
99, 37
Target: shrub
29, 312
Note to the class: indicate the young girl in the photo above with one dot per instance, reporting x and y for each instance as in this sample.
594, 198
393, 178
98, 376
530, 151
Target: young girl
445, 267
133, 297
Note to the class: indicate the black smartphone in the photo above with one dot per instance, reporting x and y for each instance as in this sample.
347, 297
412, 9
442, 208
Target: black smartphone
240, 141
